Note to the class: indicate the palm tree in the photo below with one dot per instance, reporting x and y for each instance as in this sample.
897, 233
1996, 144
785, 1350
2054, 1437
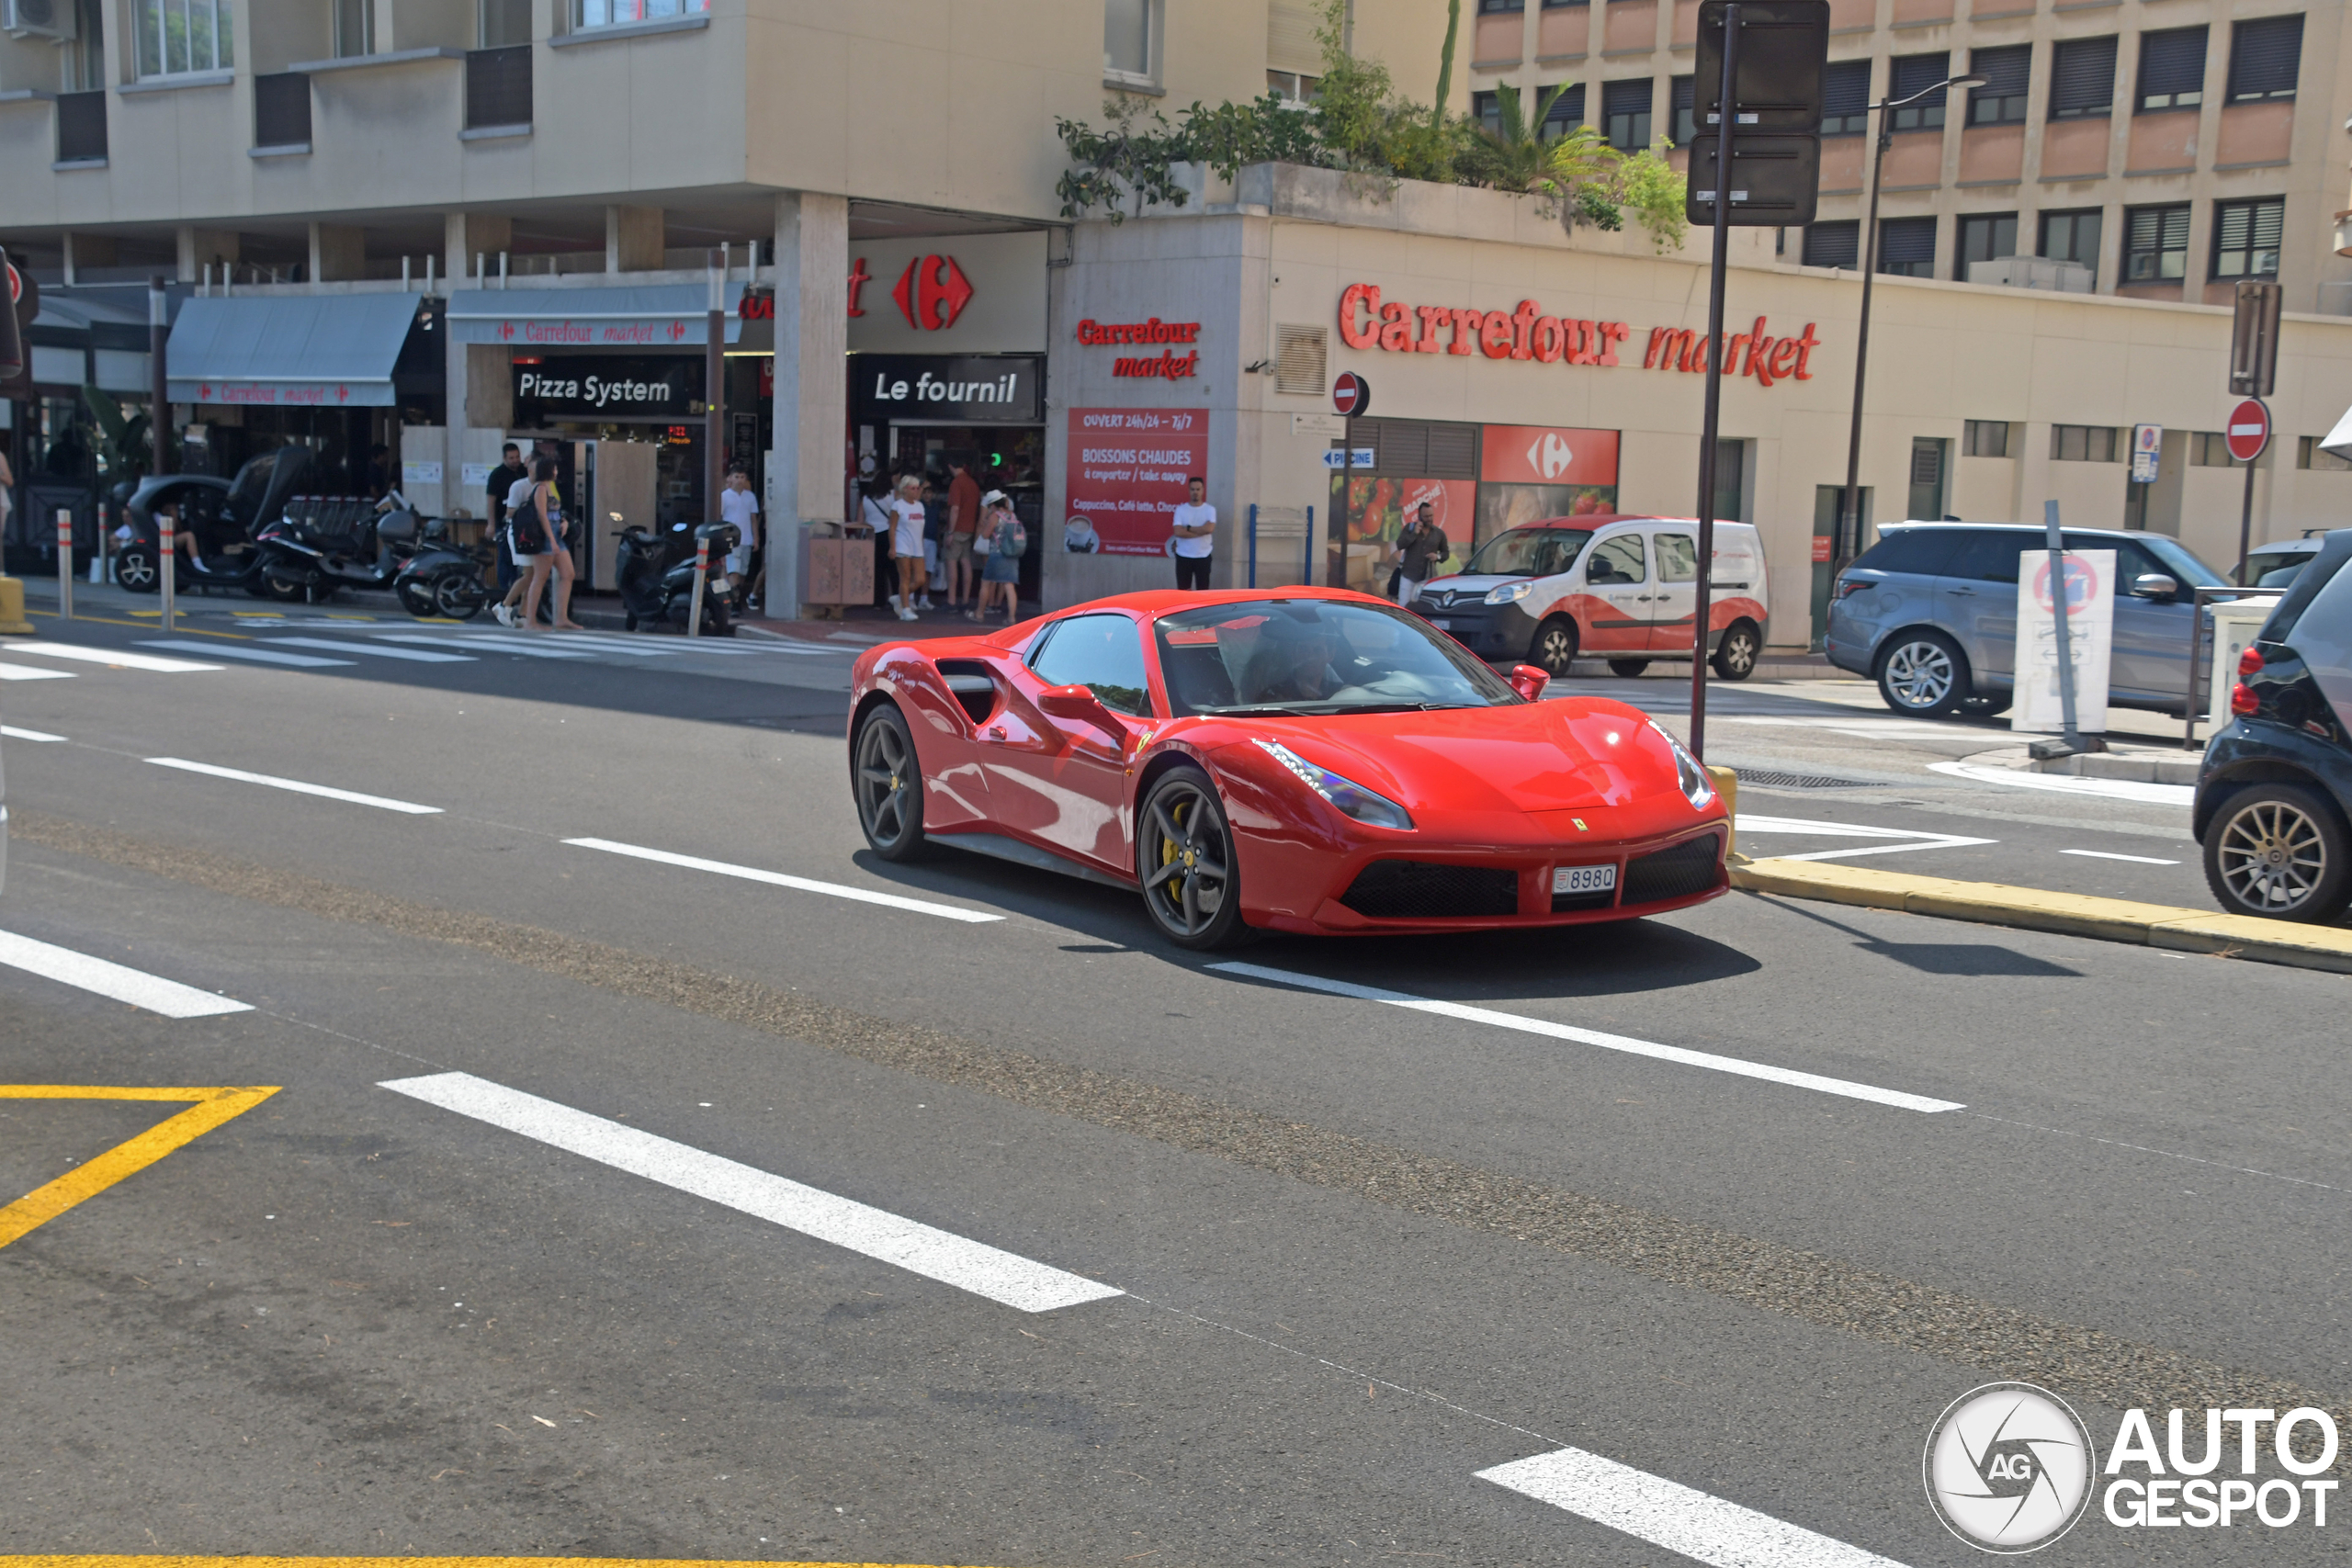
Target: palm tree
1517, 152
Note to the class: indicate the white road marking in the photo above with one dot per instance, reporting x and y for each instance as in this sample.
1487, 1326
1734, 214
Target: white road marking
571, 645
1851, 1090
257, 655
1915, 841
26, 673
778, 879
416, 654
297, 785
116, 656
13, 733
113, 980
939, 1255
2110, 854
2066, 783
1676, 1518
1868, 729
494, 644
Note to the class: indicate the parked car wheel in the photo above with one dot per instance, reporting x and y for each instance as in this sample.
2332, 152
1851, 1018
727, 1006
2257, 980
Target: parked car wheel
1737, 654
1628, 668
888, 777
1555, 648
2279, 851
1923, 673
135, 569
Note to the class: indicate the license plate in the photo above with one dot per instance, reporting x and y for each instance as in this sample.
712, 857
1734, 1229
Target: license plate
1583, 878
722, 584
1440, 623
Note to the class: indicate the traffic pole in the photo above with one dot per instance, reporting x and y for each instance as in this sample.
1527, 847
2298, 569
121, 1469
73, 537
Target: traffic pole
1728, 117
702, 575
167, 569
159, 386
714, 394
2058, 597
65, 563
2245, 523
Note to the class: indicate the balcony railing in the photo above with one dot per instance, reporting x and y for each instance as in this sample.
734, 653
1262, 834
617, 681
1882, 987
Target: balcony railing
282, 110
498, 87
82, 127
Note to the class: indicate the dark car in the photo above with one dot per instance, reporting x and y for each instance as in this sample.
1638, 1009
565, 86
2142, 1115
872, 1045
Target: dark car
2274, 797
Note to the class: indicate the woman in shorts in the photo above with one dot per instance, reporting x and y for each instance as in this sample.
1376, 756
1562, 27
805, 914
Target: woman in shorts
1000, 578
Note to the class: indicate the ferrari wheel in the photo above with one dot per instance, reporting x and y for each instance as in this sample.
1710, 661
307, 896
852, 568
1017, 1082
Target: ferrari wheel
1184, 859
888, 777
1554, 648
1628, 668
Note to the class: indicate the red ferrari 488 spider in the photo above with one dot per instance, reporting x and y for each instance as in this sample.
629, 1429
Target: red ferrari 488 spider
1298, 759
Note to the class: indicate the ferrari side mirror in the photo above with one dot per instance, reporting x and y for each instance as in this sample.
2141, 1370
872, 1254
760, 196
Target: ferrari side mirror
1529, 682
1074, 701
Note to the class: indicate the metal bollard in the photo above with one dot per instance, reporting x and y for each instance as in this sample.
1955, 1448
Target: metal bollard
167, 537
65, 563
702, 575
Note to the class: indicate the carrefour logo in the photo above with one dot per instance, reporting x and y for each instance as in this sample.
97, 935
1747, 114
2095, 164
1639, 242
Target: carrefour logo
1550, 456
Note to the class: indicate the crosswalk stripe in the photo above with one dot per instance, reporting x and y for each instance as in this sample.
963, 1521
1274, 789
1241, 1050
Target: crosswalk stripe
984, 1271
494, 644
26, 673
381, 802
779, 879
1667, 1513
257, 655
413, 655
122, 657
112, 980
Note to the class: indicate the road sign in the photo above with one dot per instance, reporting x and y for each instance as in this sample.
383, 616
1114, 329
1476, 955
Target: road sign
2147, 451
1776, 87
1775, 180
2249, 429
1350, 394
2254, 339
1340, 457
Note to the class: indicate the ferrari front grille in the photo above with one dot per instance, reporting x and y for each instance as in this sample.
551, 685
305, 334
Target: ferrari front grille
1678, 871
1423, 890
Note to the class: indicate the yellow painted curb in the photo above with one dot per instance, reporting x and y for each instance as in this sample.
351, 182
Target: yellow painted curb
2070, 914
12, 608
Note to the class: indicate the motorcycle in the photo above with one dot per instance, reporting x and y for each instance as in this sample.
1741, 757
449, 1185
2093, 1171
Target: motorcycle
327, 542
441, 579
656, 576
222, 517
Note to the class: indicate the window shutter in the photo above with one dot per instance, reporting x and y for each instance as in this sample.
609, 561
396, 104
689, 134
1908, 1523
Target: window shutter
1844, 88
1906, 241
1914, 72
1290, 44
2270, 224
1833, 244
1625, 98
1454, 451
1566, 111
2172, 62
2006, 70
2265, 57
2081, 77
1300, 354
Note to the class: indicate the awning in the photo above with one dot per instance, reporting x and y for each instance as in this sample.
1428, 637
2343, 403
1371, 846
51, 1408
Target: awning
650, 315
314, 351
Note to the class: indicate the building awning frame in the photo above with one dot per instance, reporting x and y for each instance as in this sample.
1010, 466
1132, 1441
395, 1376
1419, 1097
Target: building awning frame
297, 350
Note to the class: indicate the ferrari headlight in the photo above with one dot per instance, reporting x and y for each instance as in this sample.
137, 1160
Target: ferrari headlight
1351, 798
1510, 593
1698, 788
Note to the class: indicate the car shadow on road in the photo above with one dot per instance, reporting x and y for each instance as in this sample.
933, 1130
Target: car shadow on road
1960, 960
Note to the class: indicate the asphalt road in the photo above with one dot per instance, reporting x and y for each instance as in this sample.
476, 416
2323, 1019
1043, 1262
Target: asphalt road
1365, 1250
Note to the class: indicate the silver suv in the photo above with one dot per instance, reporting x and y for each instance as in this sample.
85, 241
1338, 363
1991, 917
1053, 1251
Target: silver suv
1930, 612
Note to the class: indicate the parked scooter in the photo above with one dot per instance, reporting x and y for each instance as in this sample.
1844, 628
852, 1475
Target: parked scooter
441, 578
222, 517
656, 576
328, 542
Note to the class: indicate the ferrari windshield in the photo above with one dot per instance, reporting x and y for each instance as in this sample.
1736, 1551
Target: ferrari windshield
1317, 655
1528, 552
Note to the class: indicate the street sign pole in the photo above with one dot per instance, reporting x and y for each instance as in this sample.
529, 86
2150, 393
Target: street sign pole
2074, 734
1711, 421
65, 563
2254, 376
2248, 437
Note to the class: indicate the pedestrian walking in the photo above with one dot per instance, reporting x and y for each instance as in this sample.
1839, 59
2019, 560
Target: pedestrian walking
964, 502
1006, 542
906, 545
934, 533
535, 518
1419, 550
502, 479
1195, 541
739, 505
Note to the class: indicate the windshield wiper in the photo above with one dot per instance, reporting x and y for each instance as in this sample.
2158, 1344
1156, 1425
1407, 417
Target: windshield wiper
1260, 710
1389, 707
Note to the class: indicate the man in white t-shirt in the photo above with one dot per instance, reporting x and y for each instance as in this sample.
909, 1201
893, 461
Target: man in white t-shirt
738, 505
1195, 542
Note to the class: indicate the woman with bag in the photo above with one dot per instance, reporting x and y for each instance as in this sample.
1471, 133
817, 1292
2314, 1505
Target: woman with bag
1006, 541
538, 528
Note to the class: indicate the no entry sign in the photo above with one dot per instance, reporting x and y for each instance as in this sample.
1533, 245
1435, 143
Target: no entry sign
1350, 394
2249, 429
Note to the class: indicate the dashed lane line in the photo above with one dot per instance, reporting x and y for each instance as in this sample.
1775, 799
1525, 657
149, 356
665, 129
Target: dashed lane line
252, 655
2110, 854
122, 658
1851, 1090
381, 802
113, 981
1667, 1513
26, 673
951, 1259
13, 733
779, 879
374, 650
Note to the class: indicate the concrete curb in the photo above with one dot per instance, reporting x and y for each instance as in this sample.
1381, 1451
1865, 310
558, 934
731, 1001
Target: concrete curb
2072, 914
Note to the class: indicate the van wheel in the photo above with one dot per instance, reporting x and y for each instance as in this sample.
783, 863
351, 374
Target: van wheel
1737, 654
1555, 648
1923, 673
1628, 668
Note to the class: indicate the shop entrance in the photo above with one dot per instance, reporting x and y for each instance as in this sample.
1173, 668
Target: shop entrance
1009, 457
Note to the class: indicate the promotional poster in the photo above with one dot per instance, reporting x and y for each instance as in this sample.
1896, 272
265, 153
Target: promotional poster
1128, 468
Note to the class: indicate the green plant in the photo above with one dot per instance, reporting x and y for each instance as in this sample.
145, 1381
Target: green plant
1123, 163
1271, 129
122, 442
1592, 182
1445, 63
1656, 195
1513, 155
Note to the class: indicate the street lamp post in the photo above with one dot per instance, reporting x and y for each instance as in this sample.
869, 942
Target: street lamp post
1849, 528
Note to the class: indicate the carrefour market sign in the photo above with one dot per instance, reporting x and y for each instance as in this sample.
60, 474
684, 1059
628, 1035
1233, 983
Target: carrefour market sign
1368, 322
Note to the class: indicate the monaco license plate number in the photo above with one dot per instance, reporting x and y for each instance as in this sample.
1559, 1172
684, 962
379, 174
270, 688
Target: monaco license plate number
1583, 878
1440, 623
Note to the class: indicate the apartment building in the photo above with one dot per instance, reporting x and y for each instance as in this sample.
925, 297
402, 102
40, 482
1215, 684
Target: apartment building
2164, 148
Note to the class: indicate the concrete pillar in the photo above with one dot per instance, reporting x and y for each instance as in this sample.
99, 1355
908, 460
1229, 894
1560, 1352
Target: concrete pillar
805, 476
200, 248
467, 234
87, 250
633, 239
463, 235
338, 252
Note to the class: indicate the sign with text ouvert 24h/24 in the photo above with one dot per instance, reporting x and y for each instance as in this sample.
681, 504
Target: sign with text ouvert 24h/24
1128, 468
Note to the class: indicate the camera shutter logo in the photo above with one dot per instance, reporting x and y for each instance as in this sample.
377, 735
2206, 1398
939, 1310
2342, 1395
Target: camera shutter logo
2008, 1467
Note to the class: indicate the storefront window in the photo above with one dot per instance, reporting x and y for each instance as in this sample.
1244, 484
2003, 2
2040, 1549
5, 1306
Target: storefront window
178, 37
619, 13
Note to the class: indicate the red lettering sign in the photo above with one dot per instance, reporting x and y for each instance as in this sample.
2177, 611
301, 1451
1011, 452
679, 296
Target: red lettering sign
1368, 322
1540, 455
1095, 333
1128, 473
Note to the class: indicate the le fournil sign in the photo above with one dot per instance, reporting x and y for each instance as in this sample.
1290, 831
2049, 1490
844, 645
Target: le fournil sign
1367, 322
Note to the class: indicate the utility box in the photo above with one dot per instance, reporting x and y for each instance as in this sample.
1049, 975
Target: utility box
2033, 272
2235, 623
839, 568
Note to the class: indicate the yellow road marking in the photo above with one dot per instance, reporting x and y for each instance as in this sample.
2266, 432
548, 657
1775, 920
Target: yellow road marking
87, 1562
138, 626
36, 1208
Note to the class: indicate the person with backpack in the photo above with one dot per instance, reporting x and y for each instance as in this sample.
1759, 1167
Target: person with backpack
1420, 548
1008, 542
538, 526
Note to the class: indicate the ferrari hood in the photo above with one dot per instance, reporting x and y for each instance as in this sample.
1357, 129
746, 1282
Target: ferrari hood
1531, 756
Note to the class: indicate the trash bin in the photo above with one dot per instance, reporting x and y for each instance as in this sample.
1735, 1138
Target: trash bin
841, 568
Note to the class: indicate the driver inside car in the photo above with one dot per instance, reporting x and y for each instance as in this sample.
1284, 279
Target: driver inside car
1292, 663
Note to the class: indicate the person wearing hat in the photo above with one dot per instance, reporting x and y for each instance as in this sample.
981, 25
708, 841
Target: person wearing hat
1003, 567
